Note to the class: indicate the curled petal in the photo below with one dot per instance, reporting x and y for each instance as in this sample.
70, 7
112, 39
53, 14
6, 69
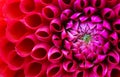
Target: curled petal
69, 25
100, 58
117, 10
50, 12
64, 34
15, 61
96, 19
113, 38
83, 18
11, 9
114, 72
98, 3
80, 57
16, 30
57, 41
104, 34
108, 13
39, 51
67, 45
33, 69
106, 25
113, 58
69, 66
80, 4
75, 16
55, 25
65, 14
25, 45
65, 4
67, 54
116, 25
55, 55
27, 5
89, 11
33, 20
106, 47
79, 73
43, 33
100, 70
55, 71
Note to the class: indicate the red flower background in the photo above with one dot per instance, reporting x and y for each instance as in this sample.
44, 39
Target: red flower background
59, 38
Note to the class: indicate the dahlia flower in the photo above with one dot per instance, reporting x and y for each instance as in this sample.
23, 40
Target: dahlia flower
59, 38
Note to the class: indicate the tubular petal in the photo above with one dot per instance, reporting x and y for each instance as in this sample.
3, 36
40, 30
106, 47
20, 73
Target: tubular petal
33, 20
55, 25
65, 4
39, 51
98, 3
25, 45
55, 55
50, 12
43, 33
54, 71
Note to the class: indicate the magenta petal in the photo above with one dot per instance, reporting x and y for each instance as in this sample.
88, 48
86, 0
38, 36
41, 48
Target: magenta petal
113, 58
43, 33
83, 18
75, 16
104, 33
67, 54
55, 25
117, 10
67, 45
79, 73
106, 25
80, 4
50, 12
56, 41
100, 58
106, 47
118, 45
65, 4
98, 3
55, 55
64, 34
96, 19
39, 52
54, 71
113, 38
100, 70
108, 13
69, 66
65, 14
89, 11
116, 25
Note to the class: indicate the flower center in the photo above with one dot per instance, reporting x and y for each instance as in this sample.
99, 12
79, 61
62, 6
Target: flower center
86, 38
